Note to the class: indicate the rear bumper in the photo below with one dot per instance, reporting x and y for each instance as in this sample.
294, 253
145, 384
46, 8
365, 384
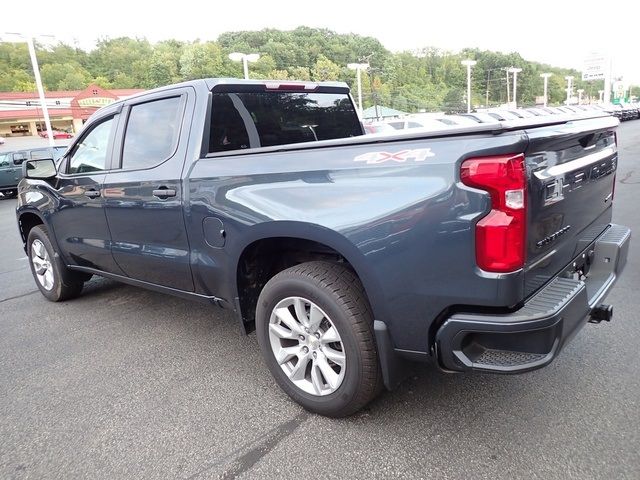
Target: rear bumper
532, 336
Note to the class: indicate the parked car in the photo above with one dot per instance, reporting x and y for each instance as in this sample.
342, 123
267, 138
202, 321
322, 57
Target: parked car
378, 127
349, 254
57, 134
422, 123
1, 141
11, 165
481, 117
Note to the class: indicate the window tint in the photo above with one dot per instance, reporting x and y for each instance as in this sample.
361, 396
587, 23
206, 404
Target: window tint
90, 154
152, 133
261, 119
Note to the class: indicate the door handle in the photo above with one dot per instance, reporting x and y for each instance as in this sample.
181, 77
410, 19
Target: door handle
164, 192
92, 193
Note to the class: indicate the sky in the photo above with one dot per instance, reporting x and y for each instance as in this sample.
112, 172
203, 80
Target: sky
561, 33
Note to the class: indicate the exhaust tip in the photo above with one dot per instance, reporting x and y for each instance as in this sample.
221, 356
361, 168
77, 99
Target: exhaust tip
602, 312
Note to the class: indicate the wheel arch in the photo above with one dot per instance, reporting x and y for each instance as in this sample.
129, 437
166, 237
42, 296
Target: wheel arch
298, 237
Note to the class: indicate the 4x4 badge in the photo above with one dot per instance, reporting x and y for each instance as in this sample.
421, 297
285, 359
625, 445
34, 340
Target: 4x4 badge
374, 158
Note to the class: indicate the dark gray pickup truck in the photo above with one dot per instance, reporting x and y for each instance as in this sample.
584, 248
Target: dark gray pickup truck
479, 248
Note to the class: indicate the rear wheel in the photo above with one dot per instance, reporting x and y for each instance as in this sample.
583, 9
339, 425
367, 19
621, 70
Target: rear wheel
315, 330
53, 278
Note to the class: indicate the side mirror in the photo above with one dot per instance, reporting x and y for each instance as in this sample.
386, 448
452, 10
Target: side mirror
42, 169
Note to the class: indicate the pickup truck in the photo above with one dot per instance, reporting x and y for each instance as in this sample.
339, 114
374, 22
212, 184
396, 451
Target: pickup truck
476, 248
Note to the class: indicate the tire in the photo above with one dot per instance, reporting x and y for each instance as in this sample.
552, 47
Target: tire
327, 295
53, 278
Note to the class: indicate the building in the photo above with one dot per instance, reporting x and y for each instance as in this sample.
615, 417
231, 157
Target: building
21, 114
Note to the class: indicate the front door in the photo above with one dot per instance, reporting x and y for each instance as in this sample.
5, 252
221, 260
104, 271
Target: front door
79, 221
143, 192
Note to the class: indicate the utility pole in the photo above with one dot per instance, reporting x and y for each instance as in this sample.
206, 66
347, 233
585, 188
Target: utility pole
508, 94
580, 92
515, 72
486, 103
545, 77
468, 64
569, 79
36, 74
359, 67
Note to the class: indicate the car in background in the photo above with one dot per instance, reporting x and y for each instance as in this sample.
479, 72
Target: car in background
410, 122
1, 141
378, 127
481, 117
11, 165
502, 115
57, 134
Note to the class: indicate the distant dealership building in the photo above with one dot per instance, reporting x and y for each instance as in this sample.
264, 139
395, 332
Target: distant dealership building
21, 114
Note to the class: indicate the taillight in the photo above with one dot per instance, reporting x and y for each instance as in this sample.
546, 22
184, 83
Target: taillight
501, 234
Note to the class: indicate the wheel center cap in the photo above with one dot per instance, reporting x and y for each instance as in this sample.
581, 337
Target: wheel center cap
313, 343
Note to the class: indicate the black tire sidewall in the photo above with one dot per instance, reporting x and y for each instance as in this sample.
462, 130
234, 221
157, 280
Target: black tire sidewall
56, 293
280, 288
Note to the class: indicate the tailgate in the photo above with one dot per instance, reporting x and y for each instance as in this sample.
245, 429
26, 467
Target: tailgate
571, 169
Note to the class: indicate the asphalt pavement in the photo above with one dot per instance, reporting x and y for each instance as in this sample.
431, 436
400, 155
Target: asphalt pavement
126, 383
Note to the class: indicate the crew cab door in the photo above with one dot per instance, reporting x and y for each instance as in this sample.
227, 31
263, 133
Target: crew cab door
79, 222
143, 191
7, 170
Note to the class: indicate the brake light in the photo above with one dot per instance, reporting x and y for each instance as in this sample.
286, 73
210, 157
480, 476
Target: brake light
501, 234
294, 87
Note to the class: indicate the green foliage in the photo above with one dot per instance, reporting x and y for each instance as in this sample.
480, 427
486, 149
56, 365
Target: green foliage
425, 79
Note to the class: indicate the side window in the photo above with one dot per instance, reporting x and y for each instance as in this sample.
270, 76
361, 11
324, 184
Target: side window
90, 154
4, 160
40, 154
19, 157
152, 132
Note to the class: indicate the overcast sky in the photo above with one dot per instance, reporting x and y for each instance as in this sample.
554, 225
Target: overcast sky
558, 32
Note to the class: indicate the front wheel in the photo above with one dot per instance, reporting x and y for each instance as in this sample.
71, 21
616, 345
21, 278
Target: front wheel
315, 330
53, 278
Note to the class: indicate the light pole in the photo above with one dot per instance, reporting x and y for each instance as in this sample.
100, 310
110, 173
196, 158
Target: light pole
601, 94
545, 77
515, 72
36, 74
569, 79
580, 92
359, 67
468, 64
245, 59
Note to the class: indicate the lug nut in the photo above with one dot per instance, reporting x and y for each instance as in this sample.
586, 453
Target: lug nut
301, 337
305, 349
315, 354
306, 330
317, 334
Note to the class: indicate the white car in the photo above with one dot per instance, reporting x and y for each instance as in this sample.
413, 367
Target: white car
1, 141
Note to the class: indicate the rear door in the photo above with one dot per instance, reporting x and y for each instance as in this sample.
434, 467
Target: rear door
571, 170
143, 192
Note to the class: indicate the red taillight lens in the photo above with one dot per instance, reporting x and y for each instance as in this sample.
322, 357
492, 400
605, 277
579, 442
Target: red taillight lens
501, 235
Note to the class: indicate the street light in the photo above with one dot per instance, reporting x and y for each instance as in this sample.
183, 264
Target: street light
245, 59
601, 94
468, 64
580, 92
515, 72
36, 74
546, 76
359, 67
569, 79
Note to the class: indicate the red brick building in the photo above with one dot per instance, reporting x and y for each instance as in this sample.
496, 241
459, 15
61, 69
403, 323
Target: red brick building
20, 112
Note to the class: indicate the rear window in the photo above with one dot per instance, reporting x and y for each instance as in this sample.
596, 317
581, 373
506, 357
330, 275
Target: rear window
262, 119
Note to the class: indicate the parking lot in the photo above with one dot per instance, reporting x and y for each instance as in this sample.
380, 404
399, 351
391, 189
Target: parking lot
127, 383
